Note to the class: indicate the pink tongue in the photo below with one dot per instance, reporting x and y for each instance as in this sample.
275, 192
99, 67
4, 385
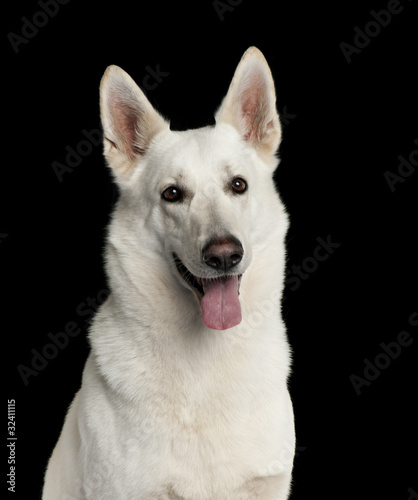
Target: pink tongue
220, 304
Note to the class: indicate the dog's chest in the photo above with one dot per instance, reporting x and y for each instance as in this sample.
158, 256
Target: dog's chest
200, 447
213, 438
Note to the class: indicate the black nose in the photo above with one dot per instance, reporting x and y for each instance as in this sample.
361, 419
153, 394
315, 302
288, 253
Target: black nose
223, 253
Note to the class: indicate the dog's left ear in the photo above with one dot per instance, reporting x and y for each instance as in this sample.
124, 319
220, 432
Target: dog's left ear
250, 104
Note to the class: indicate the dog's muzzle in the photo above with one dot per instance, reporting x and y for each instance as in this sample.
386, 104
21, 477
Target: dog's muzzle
219, 295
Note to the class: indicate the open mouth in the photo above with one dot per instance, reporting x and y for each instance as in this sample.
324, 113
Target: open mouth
219, 297
191, 280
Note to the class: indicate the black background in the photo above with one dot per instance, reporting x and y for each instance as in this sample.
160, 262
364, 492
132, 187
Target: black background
345, 124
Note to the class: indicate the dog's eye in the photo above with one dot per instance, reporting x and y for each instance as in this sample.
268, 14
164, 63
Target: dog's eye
172, 193
238, 185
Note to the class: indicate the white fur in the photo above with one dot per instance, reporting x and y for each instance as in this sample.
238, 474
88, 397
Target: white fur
168, 408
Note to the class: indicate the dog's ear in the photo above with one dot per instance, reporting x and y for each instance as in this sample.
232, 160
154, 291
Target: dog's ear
129, 121
250, 104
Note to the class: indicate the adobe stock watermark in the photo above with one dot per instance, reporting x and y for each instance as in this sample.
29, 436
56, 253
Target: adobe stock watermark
285, 116
285, 461
362, 36
413, 495
282, 464
389, 352
76, 153
321, 253
225, 6
57, 342
38, 20
406, 167
153, 77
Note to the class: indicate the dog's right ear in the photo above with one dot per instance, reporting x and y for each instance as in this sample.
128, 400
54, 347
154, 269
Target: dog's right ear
129, 122
250, 104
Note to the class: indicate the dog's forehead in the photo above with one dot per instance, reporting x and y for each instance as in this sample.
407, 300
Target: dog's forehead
200, 150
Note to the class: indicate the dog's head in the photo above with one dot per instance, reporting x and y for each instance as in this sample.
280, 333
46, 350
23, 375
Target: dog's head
203, 198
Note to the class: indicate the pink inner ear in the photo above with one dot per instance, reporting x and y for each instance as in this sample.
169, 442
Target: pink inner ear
249, 109
126, 120
253, 106
250, 104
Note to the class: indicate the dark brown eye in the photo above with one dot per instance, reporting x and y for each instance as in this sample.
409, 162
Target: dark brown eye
172, 193
238, 185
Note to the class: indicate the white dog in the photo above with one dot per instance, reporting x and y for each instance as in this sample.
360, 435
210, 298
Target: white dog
172, 408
